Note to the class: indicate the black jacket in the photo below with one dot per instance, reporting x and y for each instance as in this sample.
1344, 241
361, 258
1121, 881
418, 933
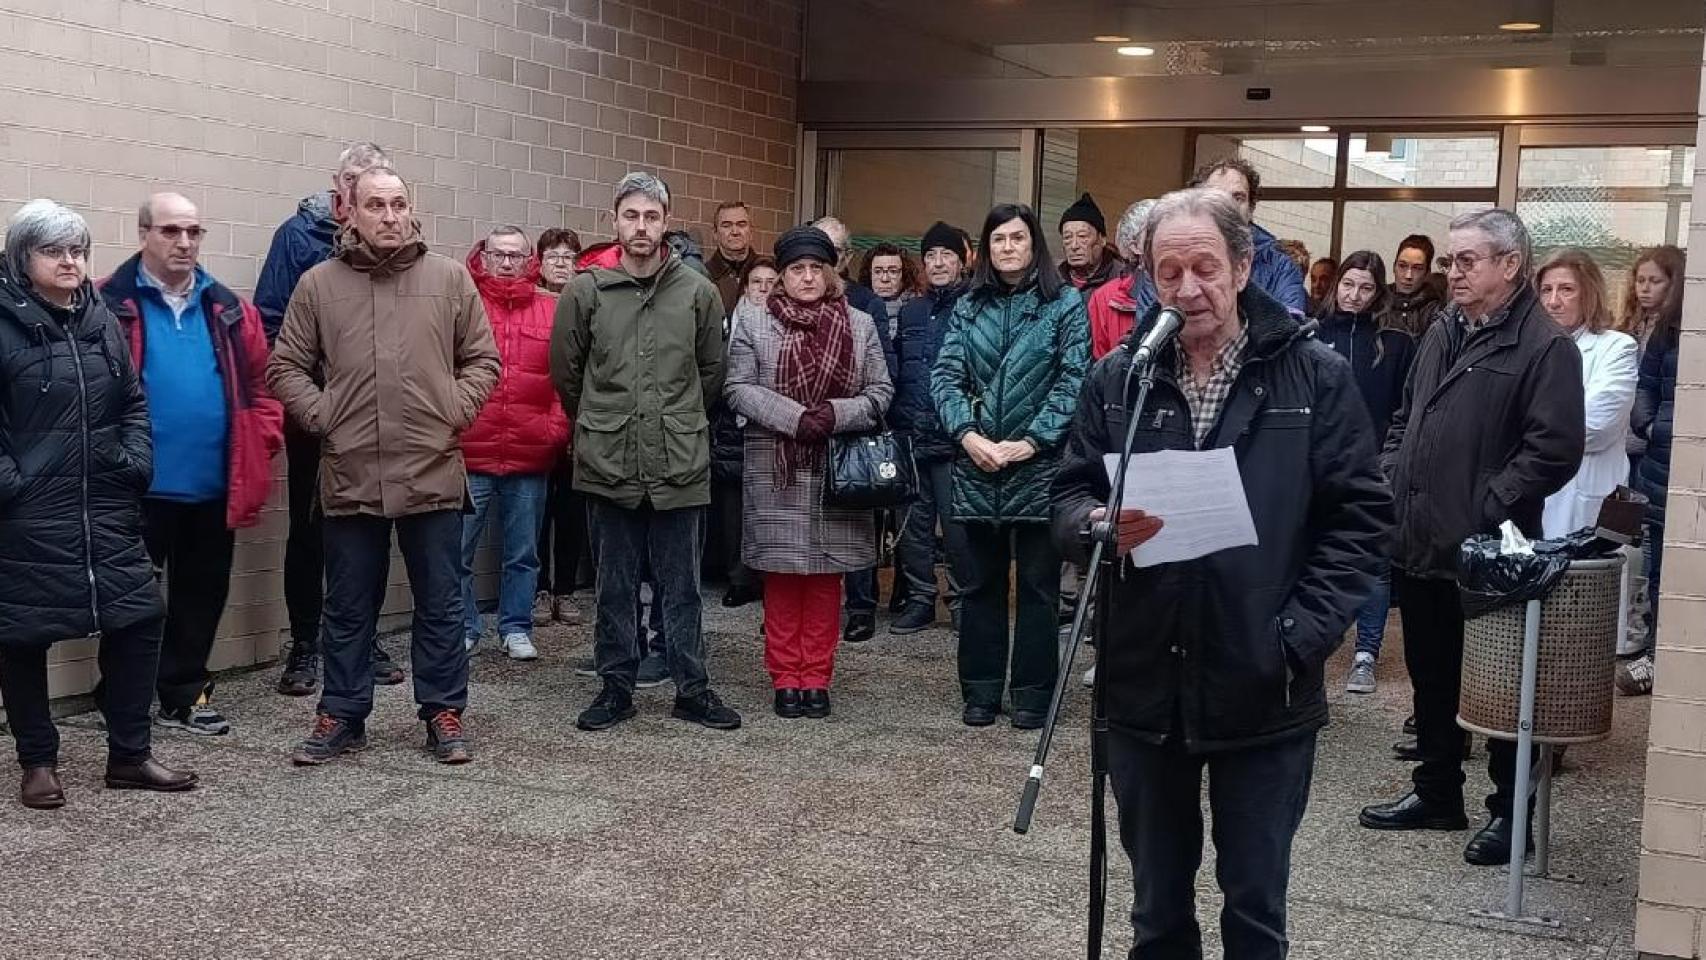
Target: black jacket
1413, 313
861, 297
1228, 651
1380, 360
1655, 421
919, 340
1491, 425
76, 457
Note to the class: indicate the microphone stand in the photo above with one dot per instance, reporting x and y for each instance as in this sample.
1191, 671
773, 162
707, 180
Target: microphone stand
1105, 560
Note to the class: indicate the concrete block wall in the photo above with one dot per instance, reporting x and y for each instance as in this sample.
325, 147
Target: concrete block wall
500, 111
1670, 921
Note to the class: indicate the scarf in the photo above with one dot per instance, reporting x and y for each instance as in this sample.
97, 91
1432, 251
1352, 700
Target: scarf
815, 364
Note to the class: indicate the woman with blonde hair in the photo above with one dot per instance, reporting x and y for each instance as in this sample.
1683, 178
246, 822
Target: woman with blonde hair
1572, 290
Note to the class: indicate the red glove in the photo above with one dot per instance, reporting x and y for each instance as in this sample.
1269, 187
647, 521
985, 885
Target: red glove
816, 423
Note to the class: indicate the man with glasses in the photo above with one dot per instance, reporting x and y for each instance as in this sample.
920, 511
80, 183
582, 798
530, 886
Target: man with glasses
301, 243
202, 356
516, 440
1491, 424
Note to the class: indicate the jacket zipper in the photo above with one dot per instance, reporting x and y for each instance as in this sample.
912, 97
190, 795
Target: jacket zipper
1285, 661
88, 530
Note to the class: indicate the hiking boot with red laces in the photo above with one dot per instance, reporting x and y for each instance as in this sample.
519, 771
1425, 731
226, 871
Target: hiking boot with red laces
330, 737
445, 738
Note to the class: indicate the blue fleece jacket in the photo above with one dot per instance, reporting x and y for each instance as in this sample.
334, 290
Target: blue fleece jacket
186, 395
1271, 271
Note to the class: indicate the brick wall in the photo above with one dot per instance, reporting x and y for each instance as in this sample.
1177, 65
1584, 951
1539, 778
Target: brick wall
1671, 918
501, 111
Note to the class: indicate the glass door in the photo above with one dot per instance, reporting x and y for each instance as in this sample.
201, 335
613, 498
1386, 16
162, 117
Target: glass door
893, 186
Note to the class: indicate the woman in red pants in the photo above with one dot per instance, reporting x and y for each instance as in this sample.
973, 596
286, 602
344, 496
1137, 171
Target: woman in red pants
801, 367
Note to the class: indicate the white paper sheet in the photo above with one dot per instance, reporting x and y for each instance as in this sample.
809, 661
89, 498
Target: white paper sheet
1197, 494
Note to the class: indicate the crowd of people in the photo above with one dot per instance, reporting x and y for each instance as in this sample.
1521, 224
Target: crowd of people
610, 416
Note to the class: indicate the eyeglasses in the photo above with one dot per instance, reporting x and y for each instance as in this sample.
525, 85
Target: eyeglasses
1466, 262
559, 258
885, 271
172, 231
60, 252
506, 257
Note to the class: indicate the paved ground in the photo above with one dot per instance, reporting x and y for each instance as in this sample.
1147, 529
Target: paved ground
880, 833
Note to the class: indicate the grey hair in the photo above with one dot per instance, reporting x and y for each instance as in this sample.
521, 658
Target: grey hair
362, 155
507, 230
643, 184
831, 225
37, 224
1505, 229
1217, 205
1129, 232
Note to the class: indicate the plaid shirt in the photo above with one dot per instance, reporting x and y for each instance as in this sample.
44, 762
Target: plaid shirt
1208, 398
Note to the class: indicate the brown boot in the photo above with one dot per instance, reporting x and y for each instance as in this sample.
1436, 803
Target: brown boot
41, 789
150, 774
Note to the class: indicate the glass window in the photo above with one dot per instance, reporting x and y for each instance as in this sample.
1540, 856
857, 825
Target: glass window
1381, 226
1115, 165
1283, 160
897, 194
1423, 160
1310, 221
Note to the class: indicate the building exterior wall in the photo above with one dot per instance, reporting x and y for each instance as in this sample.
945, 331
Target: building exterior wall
499, 111
1671, 918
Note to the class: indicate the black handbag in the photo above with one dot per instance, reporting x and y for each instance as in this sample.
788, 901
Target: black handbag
869, 471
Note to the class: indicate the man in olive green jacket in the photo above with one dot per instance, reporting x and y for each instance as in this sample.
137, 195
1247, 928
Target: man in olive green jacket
637, 357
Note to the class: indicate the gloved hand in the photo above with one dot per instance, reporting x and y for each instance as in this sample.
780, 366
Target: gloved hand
816, 423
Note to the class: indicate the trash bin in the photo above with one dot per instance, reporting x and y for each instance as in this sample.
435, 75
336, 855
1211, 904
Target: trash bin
1578, 646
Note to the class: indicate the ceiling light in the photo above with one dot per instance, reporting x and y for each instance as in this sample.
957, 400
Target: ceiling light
1136, 51
1110, 38
1527, 16
1315, 128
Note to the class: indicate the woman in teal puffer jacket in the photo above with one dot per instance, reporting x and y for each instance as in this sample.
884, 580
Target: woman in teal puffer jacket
1006, 386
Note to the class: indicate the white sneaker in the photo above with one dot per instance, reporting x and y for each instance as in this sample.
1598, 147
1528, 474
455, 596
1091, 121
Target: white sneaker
520, 647
1361, 679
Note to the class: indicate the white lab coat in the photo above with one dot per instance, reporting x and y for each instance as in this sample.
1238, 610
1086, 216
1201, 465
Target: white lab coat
1609, 370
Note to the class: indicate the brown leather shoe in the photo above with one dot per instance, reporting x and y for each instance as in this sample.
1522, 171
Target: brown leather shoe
41, 789
150, 774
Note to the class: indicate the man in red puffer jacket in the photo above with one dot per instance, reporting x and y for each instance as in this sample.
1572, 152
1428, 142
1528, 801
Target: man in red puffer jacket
517, 438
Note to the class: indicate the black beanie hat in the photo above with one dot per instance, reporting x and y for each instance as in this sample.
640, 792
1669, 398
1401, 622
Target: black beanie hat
942, 235
1084, 209
801, 242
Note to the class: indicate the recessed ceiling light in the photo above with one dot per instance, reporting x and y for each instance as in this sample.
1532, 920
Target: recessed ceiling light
1315, 128
1136, 51
1110, 38
1526, 16
1521, 26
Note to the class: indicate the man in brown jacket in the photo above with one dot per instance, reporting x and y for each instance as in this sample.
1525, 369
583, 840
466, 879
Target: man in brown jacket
385, 356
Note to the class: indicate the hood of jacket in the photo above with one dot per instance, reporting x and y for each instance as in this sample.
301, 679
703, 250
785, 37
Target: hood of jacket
362, 257
513, 292
315, 214
604, 256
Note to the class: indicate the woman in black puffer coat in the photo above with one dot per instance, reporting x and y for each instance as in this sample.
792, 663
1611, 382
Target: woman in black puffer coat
76, 456
1655, 422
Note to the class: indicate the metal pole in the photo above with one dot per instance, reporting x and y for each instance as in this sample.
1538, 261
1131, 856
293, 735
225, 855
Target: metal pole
1543, 815
1623, 585
1524, 755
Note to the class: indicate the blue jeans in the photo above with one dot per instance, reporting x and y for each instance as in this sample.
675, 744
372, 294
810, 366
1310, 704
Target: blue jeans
519, 503
1371, 616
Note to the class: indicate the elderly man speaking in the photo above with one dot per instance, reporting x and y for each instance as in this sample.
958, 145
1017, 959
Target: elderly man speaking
1218, 662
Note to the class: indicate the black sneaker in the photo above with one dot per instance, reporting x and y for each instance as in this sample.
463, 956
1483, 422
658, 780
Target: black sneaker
1028, 719
653, 672
445, 737
917, 617
301, 674
329, 738
386, 673
612, 706
860, 628
706, 710
740, 597
978, 715
201, 720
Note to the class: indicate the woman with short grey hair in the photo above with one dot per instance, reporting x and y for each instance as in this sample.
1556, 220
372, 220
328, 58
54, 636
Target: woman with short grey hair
76, 457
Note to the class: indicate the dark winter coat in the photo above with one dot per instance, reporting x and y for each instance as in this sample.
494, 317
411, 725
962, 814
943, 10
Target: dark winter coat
1413, 313
1010, 368
923, 322
728, 429
1380, 359
865, 300
298, 245
1655, 420
76, 457
1492, 423
1229, 650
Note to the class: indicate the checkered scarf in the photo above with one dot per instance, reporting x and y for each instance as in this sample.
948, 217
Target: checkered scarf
814, 364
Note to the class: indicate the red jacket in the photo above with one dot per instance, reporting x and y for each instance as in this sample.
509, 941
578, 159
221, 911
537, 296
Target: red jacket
255, 418
1113, 311
522, 428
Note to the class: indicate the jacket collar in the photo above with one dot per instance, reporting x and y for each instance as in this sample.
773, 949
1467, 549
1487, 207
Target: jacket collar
944, 297
122, 292
1271, 326
363, 258
613, 276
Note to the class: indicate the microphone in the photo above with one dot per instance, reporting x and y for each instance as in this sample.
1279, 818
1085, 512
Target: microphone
1166, 327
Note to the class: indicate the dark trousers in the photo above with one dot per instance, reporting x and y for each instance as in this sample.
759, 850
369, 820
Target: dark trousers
671, 542
726, 502
1256, 798
358, 568
1653, 549
563, 546
1432, 614
916, 552
191, 548
304, 548
990, 550
127, 657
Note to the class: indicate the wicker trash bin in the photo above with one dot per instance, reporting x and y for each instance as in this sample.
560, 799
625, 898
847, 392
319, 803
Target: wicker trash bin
1578, 646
